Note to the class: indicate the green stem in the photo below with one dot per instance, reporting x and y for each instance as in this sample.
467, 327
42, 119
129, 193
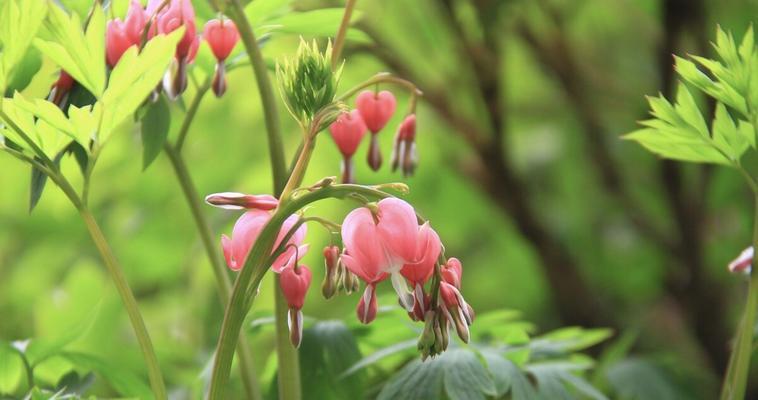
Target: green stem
339, 40
130, 303
738, 368
190, 116
288, 357
266, 90
244, 353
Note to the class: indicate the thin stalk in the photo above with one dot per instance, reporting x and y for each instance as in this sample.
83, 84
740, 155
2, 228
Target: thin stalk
287, 355
266, 91
111, 263
339, 40
288, 377
244, 353
382, 78
130, 303
190, 116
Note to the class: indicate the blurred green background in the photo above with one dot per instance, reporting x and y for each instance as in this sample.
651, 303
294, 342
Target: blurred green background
521, 172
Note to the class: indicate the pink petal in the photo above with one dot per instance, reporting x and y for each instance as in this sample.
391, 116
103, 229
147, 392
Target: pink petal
398, 228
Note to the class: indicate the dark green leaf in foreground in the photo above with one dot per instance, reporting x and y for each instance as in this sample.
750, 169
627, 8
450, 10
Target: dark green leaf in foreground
155, 127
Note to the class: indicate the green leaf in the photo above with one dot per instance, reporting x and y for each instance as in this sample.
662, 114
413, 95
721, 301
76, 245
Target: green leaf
465, 376
679, 132
132, 80
380, 355
125, 382
418, 380
727, 137
11, 368
328, 348
19, 22
569, 339
25, 70
155, 127
625, 378
81, 55
36, 187
73, 384
319, 23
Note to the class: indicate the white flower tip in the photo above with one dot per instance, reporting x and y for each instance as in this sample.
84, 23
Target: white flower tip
743, 262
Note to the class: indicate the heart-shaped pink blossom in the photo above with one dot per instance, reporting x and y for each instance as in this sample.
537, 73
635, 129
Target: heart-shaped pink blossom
347, 132
376, 108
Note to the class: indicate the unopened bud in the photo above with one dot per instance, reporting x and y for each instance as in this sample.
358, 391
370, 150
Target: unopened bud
743, 262
367, 306
331, 264
219, 80
238, 201
295, 324
374, 154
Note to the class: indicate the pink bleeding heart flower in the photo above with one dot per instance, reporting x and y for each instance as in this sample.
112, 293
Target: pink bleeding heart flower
376, 110
120, 36
222, 36
246, 231
178, 13
294, 281
347, 132
428, 247
380, 245
404, 151
241, 201
743, 263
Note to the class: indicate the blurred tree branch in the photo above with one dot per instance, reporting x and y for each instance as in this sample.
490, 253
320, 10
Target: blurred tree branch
700, 299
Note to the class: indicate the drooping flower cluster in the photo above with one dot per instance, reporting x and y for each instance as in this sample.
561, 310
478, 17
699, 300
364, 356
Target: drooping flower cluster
373, 111
386, 241
164, 17
382, 241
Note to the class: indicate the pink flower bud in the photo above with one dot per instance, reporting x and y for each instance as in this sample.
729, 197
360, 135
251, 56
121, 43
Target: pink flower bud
367, 306
456, 309
222, 36
240, 201
452, 272
331, 262
294, 282
743, 263
347, 132
404, 151
376, 109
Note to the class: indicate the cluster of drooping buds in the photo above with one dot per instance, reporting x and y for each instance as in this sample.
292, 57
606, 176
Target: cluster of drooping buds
336, 276
743, 263
382, 240
373, 111
164, 17
221, 35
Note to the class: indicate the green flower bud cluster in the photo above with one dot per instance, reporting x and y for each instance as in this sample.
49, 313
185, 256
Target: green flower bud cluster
307, 82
